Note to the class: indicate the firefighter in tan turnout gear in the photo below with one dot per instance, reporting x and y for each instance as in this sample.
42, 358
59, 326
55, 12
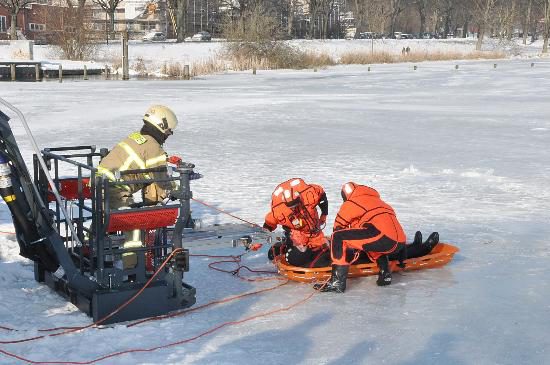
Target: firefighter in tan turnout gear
140, 150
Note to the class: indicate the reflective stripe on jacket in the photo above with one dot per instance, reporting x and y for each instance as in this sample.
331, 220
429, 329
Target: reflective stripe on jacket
137, 151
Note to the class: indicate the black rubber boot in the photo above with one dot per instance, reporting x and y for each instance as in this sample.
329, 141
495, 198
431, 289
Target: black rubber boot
431, 242
337, 282
417, 238
384, 275
402, 255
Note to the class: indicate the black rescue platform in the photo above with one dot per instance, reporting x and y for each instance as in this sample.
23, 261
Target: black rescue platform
86, 244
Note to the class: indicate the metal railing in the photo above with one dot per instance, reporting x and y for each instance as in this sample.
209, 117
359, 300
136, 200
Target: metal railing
94, 247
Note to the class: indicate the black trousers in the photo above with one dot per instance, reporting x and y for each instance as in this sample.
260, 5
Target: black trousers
368, 238
311, 258
308, 258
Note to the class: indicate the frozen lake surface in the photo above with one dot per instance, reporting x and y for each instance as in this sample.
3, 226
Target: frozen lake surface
462, 152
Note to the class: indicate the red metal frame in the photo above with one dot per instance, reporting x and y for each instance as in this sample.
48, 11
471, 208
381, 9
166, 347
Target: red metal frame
142, 219
68, 189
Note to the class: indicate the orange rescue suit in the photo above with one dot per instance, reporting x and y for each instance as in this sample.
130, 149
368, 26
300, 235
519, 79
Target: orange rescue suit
363, 208
303, 221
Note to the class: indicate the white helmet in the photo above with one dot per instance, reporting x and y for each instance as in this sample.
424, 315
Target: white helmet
162, 118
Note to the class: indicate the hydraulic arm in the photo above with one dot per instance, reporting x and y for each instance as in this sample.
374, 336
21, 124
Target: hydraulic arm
38, 240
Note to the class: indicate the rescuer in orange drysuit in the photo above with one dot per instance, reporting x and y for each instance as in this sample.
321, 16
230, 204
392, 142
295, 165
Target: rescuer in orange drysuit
364, 222
294, 207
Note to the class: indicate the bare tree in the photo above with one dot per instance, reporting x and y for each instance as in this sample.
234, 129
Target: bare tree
443, 16
360, 9
505, 17
526, 7
422, 8
463, 17
546, 32
319, 12
326, 9
255, 24
75, 36
79, 11
314, 7
14, 6
397, 7
447, 12
181, 17
295, 15
239, 13
481, 10
109, 6
291, 10
378, 14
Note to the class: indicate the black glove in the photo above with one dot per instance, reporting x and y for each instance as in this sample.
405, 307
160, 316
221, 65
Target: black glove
276, 250
323, 204
402, 256
175, 195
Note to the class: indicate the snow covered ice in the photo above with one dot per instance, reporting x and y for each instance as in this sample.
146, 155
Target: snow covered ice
462, 152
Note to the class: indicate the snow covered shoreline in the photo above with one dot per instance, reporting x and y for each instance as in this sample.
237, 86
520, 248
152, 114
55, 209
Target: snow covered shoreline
153, 56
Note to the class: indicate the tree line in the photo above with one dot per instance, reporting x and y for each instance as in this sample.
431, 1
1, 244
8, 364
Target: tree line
285, 19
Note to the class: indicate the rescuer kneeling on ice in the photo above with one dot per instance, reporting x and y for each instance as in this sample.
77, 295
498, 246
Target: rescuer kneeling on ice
364, 222
140, 150
294, 206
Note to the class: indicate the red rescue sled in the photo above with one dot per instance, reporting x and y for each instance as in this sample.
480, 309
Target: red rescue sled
440, 255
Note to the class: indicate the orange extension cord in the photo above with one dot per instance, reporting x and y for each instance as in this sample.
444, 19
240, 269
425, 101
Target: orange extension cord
212, 265
235, 259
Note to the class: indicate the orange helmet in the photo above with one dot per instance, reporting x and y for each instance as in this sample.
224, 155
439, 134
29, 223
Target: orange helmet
347, 189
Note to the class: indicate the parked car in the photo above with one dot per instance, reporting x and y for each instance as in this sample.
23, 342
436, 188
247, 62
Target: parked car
367, 35
201, 37
154, 37
430, 35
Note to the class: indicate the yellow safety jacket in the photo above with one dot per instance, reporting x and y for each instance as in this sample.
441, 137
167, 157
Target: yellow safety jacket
136, 152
